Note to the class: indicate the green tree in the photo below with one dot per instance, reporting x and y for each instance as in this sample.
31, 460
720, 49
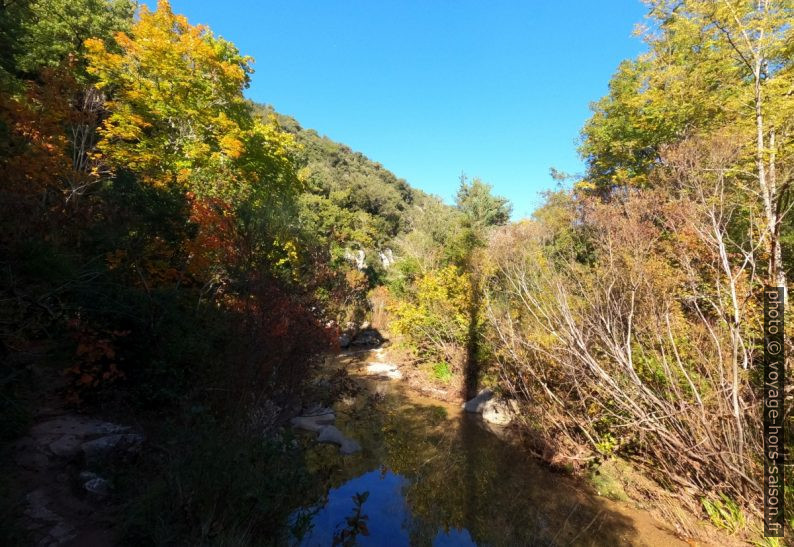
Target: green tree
711, 67
54, 31
479, 206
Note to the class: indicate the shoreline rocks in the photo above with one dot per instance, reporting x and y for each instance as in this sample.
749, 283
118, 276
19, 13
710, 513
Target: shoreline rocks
313, 423
498, 412
384, 369
320, 421
477, 403
331, 434
493, 411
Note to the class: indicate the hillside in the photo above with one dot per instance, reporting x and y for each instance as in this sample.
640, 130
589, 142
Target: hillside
367, 205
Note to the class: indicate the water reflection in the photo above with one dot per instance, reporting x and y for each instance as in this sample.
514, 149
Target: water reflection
389, 519
435, 476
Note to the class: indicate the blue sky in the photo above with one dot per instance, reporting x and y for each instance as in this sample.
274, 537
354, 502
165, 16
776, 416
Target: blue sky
498, 90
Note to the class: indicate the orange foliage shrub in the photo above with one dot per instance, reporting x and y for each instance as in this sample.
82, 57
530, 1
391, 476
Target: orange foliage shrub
96, 360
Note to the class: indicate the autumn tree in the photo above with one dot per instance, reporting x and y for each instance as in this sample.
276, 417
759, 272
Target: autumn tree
177, 111
178, 119
711, 66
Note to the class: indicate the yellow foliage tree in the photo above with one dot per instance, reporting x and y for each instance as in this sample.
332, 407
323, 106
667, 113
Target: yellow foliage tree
436, 320
178, 119
177, 111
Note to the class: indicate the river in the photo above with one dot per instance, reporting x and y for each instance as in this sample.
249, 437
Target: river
430, 474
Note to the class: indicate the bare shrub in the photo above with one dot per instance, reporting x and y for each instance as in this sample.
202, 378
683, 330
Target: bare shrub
644, 343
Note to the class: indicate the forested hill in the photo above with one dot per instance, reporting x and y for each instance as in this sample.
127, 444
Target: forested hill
351, 199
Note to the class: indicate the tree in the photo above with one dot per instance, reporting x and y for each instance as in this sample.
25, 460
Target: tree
712, 66
479, 206
55, 31
178, 115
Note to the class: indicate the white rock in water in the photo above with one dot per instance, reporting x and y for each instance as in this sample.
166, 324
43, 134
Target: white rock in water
98, 486
315, 424
386, 369
330, 434
104, 447
498, 412
477, 404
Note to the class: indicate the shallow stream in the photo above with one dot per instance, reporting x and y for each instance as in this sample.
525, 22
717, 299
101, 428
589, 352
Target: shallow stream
435, 475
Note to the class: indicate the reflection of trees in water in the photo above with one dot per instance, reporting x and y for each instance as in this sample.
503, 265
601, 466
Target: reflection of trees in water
462, 477
355, 524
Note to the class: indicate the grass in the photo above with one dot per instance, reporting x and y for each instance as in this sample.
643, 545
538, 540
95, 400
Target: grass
724, 513
442, 371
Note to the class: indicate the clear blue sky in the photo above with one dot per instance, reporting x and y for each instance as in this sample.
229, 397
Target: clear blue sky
433, 88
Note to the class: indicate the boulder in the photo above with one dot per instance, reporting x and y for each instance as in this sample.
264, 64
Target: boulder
86, 476
67, 446
331, 434
97, 487
63, 436
368, 337
498, 412
314, 423
477, 404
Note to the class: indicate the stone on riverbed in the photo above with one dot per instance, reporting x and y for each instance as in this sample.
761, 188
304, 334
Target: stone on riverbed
385, 369
314, 423
367, 337
477, 404
111, 446
494, 411
499, 412
330, 434
319, 420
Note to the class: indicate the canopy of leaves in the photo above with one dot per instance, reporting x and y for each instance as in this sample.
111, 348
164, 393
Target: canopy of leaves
54, 31
696, 77
480, 207
178, 115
